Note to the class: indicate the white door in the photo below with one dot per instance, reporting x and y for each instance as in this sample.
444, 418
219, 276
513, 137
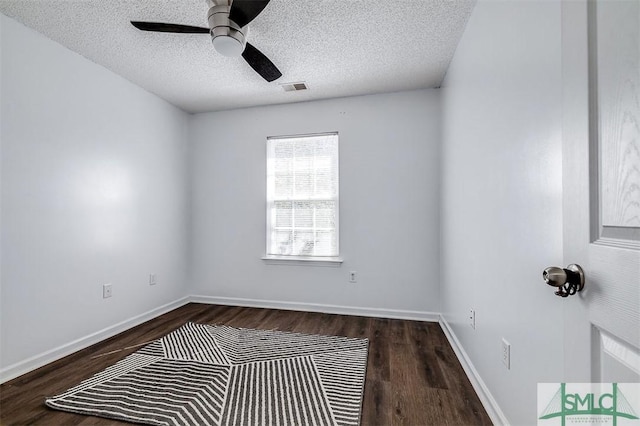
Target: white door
601, 183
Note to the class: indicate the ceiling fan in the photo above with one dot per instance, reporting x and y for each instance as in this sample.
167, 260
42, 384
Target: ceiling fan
228, 29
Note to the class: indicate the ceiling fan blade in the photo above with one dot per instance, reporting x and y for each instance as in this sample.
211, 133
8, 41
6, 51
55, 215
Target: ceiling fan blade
260, 63
169, 28
244, 11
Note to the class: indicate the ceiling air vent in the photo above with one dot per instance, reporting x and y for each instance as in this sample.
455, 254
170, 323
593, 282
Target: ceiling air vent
294, 87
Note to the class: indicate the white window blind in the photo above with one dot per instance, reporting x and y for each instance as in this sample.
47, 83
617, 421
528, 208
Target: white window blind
302, 195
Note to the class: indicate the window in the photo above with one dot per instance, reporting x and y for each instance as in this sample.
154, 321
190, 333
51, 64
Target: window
302, 196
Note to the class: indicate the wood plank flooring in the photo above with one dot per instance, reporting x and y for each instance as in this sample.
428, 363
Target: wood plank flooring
413, 376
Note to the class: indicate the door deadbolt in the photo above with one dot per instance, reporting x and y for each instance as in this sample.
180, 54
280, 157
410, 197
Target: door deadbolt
568, 280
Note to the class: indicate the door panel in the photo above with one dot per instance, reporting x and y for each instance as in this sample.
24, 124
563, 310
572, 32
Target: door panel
601, 183
614, 68
614, 360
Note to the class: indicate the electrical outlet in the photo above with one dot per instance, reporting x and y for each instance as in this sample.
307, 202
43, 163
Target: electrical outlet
152, 279
106, 290
506, 354
353, 278
472, 318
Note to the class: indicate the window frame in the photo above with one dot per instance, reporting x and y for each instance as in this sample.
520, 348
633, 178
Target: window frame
297, 259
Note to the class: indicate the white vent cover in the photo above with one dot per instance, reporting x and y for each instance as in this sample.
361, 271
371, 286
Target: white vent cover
294, 87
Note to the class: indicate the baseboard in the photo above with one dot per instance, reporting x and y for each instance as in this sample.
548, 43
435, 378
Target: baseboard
30, 364
488, 401
315, 307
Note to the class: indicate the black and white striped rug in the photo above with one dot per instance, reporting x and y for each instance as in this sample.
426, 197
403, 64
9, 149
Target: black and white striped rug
218, 375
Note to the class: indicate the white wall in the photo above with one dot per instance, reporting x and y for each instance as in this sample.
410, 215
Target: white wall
1, 343
97, 187
93, 191
1, 97
502, 197
389, 190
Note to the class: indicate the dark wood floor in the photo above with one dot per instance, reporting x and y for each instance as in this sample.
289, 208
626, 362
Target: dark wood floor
413, 376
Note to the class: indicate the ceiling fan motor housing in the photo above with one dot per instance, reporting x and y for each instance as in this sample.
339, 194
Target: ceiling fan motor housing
228, 38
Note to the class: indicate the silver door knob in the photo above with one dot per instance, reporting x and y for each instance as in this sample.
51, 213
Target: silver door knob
568, 280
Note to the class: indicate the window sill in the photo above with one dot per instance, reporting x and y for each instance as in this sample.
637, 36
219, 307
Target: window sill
302, 260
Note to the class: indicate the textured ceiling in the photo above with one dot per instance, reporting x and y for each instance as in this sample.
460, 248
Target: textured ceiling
338, 47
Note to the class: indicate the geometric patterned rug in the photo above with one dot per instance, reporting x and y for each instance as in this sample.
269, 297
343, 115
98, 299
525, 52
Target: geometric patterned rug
217, 375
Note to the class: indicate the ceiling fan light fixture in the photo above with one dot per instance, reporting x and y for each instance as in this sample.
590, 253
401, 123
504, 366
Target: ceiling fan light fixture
228, 33
228, 46
228, 38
